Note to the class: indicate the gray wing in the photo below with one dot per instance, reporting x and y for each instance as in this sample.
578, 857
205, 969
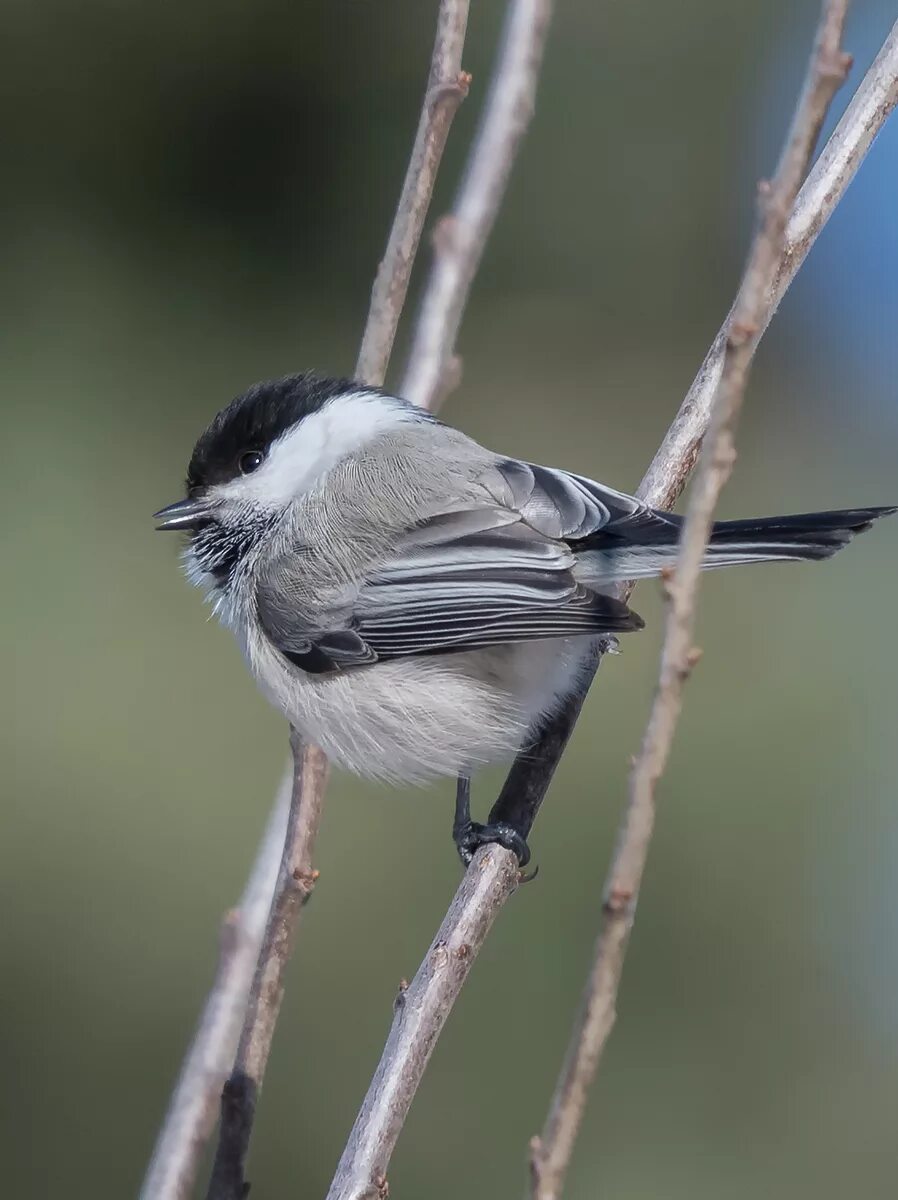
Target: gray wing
496, 573
573, 508
489, 589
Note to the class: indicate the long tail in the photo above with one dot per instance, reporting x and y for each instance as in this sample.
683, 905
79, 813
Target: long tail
646, 547
804, 536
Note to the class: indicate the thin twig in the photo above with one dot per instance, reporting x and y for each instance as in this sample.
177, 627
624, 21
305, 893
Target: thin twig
551, 1153
194, 1102
826, 184
296, 879
364, 1162
493, 874
190, 1118
447, 86
838, 163
420, 1010
460, 237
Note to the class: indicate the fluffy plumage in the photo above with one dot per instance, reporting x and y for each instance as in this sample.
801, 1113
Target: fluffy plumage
411, 601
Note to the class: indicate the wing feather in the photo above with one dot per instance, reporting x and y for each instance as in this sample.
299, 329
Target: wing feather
498, 571
571, 507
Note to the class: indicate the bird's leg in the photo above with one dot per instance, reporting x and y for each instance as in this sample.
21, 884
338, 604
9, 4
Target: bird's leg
469, 835
461, 826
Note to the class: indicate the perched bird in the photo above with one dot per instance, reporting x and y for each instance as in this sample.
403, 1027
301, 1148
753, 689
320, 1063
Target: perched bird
414, 603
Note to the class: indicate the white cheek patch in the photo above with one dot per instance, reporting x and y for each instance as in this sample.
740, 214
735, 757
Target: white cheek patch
298, 459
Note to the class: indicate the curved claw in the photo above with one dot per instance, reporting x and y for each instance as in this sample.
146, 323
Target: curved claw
472, 835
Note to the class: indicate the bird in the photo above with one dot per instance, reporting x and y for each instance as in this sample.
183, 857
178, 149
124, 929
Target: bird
414, 603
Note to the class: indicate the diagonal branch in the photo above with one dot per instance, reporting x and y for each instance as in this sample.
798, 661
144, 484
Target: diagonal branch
447, 86
250, 953
423, 1007
826, 184
194, 1102
295, 882
362, 1169
419, 1013
461, 238
551, 1153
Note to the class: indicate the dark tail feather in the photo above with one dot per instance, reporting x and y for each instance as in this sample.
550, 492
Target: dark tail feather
646, 546
802, 536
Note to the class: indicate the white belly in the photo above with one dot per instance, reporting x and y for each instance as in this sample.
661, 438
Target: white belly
410, 720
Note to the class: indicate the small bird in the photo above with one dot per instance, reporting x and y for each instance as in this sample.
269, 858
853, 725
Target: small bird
412, 602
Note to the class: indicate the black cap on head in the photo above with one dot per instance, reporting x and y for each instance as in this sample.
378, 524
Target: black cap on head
254, 420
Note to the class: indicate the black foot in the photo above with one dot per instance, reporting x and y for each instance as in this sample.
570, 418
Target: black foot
470, 836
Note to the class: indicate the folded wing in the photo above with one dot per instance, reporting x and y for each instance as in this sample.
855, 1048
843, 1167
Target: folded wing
484, 576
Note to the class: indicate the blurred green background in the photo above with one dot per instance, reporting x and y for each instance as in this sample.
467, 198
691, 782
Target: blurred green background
196, 197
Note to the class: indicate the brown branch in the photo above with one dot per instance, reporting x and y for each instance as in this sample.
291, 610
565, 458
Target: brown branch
867, 112
192, 1108
363, 1167
447, 86
461, 237
194, 1102
296, 879
252, 958
493, 875
551, 1153
420, 1011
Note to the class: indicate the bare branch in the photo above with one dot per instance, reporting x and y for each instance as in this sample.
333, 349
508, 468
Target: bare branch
193, 1107
447, 86
296, 879
551, 1153
420, 1012
460, 238
824, 187
362, 1169
191, 1112
826, 184
249, 951
493, 874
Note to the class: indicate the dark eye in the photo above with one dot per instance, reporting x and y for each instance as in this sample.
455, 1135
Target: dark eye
250, 461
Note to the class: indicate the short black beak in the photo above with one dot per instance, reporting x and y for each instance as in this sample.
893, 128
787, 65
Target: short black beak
185, 514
